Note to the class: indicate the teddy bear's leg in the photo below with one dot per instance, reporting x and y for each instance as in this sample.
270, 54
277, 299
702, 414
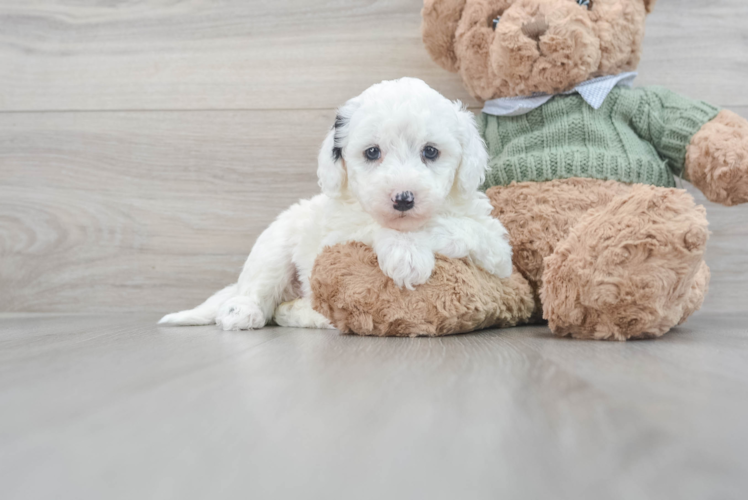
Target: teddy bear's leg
631, 269
540, 215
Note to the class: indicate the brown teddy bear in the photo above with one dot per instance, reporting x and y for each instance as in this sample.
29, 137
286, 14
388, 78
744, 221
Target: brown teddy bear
582, 175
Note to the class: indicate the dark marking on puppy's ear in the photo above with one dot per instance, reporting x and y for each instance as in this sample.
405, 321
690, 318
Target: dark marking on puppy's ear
337, 151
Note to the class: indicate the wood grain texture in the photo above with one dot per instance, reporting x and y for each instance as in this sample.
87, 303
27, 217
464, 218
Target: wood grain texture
201, 54
115, 407
293, 54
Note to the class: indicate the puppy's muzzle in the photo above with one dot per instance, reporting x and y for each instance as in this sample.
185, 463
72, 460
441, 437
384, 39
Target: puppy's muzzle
404, 201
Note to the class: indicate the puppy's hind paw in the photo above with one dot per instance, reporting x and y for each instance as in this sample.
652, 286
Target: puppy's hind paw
240, 313
186, 318
171, 319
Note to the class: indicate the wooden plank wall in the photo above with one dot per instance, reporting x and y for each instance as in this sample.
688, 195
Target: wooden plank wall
144, 145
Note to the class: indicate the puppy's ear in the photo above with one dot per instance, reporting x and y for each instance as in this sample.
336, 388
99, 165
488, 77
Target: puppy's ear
330, 168
649, 5
440, 19
472, 170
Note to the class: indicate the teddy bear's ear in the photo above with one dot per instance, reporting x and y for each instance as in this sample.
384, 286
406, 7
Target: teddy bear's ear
649, 5
440, 19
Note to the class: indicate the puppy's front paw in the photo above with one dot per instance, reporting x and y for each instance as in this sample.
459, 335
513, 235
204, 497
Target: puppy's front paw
408, 266
495, 258
498, 265
240, 313
453, 243
494, 253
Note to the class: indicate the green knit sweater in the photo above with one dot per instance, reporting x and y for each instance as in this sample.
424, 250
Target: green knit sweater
637, 136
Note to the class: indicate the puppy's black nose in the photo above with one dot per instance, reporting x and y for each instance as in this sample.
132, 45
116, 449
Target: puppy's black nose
404, 201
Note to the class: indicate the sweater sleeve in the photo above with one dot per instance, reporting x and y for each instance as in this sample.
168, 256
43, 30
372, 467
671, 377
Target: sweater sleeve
669, 121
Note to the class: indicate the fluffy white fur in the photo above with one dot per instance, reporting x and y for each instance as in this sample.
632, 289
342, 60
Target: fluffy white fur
449, 215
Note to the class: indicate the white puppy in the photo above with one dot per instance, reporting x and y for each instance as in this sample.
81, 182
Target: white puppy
399, 171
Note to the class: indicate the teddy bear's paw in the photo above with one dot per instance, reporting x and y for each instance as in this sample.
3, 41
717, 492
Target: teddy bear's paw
408, 266
731, 182
717, 159
240, 313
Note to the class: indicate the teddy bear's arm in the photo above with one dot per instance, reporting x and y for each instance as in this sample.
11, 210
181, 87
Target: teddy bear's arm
669, 121
701, 143
717, 159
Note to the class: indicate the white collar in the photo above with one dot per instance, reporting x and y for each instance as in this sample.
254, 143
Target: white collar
593, 91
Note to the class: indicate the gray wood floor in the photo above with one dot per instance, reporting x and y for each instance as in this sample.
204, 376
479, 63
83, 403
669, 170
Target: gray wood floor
114, 407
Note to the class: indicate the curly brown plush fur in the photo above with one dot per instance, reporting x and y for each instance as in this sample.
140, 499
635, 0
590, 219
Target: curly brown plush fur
350, 289
629, 269
540, 215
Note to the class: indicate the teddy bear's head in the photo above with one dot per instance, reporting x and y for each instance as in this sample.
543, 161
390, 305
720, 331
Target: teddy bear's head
505, 48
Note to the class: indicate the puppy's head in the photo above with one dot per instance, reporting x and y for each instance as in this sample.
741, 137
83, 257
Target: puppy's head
404, 152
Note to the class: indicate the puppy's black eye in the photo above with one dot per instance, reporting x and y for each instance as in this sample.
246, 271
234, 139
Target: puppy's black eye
585, 3
495, 22
430, 153
373, 153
